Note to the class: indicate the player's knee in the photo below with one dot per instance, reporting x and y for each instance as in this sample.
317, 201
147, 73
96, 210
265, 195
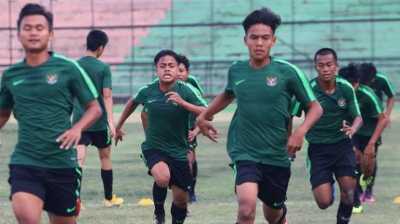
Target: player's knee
324, 203
26, 218
347, 196
247, 210
162, 180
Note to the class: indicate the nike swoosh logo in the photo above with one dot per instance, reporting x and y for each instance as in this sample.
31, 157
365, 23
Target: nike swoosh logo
151, 101
69, 210
15, 83
238, 82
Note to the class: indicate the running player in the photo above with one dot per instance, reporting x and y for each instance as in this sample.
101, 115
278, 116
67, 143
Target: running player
366, 140
330, 151
44, 173
169, 103
258, 143
383, 88
100, 133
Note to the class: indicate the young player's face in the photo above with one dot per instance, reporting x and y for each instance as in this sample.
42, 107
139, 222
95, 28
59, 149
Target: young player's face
326, 67
167, 69
183, 73
259, 40
34, 33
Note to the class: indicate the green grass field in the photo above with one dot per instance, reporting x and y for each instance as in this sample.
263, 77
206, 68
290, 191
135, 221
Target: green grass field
216, 200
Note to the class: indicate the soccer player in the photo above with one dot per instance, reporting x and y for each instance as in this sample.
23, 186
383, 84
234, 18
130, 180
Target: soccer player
330, 150
258, 143
169, 103
382, 87
160, 193
101, 132
184, 70
39, 90
366, 140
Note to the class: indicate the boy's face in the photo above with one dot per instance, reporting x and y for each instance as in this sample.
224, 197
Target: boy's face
167, 69
259, 40
326, 67
34, 33
183, 73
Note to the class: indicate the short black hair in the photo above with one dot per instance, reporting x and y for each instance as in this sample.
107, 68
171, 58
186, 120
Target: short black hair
184, 60
368, 73
96, 39
351, 73
163, 53
325, 51
264, 16
35, 9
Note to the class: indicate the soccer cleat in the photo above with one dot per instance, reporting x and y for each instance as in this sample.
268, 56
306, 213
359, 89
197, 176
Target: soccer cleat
364, 182
159, 219
358, 210
369, 198
114, 202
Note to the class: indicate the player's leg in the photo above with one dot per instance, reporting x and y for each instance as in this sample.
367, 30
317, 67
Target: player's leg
369, 194
272, 192
27, 207
159, 170
62, 195
81, 154
321, 173
180, 199
358, 193
347, 185
181, 180
159, 197
345, 173
247, 176
193, 169
27, 193
102, 141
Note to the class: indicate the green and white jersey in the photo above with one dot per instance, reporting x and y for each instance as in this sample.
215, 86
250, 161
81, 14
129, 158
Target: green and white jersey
370, 107
382, 86
100, 74
259, 129
338, 106
167, 128
193, 81
41, 99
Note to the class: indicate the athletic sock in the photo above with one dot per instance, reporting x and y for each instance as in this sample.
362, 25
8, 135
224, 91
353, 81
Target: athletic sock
344, 213
159, 196
107, 177
357, 190
178, 214
192, 189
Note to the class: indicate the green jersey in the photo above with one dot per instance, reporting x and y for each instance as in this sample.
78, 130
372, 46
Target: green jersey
339, 106
193, 81
100, 75
41, 99
167, 128
370, 107
382, 86
259, 129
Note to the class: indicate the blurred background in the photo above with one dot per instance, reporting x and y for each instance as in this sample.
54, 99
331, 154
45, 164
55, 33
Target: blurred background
209, 32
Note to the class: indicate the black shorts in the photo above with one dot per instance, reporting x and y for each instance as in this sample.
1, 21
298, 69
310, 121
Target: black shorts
360, 142
100, 139
328, 159
272, 181
58, 188
179, 170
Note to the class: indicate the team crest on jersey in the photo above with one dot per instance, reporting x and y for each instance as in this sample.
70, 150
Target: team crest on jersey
52, 79
272, 80
341, 102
